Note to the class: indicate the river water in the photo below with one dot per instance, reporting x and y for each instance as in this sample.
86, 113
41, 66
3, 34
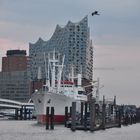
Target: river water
29, 130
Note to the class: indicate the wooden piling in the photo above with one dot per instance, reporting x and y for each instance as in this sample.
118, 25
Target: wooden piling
82, 109
66, 116
119, 118
109, 109
25, 113
21, 113
70, 111
112, 109
134, 119
47, 117
29, 115
92, 114
16, 114
126, 119
103, 114
52, 118
85, 117
73, 124
114, 101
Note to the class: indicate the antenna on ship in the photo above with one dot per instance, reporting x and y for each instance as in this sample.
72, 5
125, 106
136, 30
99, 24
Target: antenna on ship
97, 91
53, 70
47, 83
48, 74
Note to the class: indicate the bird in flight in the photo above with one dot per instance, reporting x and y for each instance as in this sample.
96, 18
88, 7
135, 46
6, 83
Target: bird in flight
95, 13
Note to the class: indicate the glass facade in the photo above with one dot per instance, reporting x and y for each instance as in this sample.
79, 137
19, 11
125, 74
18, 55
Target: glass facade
72, 40
14, 86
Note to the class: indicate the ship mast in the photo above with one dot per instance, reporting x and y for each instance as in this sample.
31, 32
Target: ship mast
97, 91
47, 83
60, 68
53, 70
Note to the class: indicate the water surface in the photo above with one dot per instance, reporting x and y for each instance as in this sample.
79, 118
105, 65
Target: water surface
29, 130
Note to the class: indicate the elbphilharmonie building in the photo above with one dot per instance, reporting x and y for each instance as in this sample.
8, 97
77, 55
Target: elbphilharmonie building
72, 40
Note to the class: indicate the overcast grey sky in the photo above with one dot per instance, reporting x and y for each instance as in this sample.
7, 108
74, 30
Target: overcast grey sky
115, 34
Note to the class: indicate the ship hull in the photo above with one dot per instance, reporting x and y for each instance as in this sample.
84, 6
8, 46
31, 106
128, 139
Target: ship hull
58, 119
58, 101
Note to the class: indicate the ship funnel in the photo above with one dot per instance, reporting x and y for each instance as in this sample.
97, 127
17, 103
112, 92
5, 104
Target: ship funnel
79, 81
39, 73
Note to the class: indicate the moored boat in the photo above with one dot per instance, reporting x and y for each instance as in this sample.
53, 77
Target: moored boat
57, 93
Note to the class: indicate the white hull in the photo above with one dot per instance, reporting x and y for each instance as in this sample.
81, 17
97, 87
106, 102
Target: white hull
58, 101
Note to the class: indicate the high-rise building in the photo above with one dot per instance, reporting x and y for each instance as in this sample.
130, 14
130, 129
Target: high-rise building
14, 86
72, 40
16, 60
14, 82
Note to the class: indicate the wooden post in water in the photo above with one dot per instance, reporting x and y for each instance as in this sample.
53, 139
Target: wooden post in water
52, 118
25, 113
112, 109
92, 114
66, 116
114, 101
119, 118
115, 110
47, 117
21, 113
82, 109
135, 119
85, 117
16, 114
29, 114
73, 124
126, 119
109, 110
103, 113
70, 111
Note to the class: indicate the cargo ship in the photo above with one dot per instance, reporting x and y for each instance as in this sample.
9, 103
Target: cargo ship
56, 92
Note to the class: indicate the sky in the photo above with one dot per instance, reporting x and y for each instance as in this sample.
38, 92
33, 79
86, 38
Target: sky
115, 34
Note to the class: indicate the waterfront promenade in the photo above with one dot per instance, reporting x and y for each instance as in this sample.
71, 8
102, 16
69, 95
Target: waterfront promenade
29, 130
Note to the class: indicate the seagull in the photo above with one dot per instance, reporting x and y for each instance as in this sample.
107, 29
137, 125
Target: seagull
95, 13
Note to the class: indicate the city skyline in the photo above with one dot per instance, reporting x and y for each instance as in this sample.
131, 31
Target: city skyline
115, 34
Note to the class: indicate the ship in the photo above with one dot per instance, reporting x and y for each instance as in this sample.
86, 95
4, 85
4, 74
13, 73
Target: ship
56, 92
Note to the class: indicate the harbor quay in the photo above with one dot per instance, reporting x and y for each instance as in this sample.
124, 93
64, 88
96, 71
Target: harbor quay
15, 110
88, 115
93, 116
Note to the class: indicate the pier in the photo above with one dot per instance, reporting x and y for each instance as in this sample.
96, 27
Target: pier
20, 111
105, 115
